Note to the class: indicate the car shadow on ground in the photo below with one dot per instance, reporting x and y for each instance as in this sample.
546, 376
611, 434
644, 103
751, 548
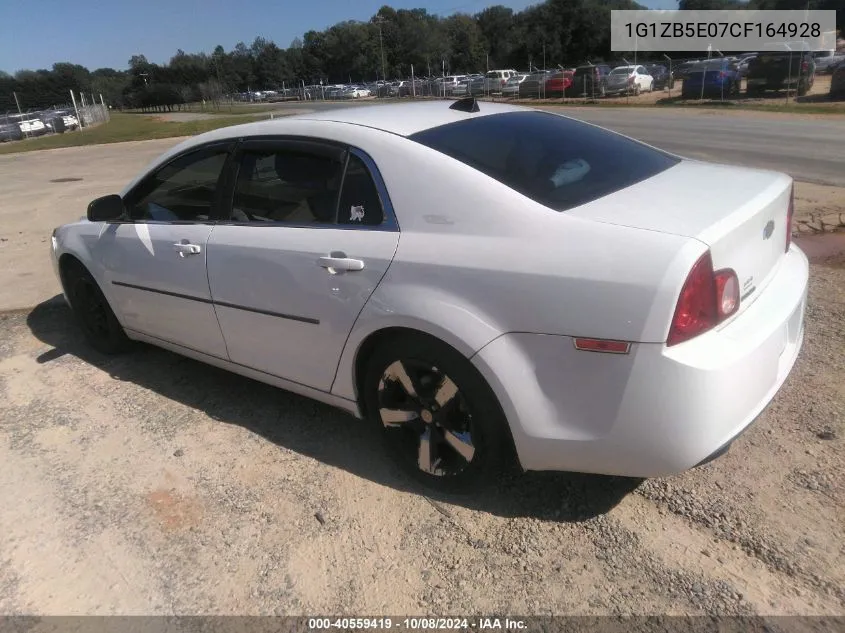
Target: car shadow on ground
316, 430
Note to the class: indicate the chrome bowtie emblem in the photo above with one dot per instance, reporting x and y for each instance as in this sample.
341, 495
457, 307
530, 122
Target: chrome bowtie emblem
768, 229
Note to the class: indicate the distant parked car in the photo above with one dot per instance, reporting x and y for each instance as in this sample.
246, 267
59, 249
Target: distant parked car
591, 80
559, 84
511, 88
662, 77
742, 65
715, 79
462, 89
477, 86
59, 121
10, 132
33, 127
778, 70
837, 81
629, 80
495, 80
828, 63
446, 85
534, 85
683, 69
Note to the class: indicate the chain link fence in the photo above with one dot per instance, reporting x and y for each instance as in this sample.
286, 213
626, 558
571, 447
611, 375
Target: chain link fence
80, 113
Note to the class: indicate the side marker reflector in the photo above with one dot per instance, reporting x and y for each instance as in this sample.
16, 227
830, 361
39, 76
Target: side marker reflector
601, 345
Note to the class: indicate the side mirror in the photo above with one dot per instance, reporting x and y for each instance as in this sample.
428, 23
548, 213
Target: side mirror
106, 209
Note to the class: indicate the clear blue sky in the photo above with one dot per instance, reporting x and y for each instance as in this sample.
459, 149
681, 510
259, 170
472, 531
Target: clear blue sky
35, 34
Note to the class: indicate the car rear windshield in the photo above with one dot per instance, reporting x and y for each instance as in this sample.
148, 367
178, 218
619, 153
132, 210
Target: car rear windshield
559, 162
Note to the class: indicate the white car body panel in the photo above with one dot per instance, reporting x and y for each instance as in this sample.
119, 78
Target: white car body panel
504, 280
657, 411
275, 270
144, 255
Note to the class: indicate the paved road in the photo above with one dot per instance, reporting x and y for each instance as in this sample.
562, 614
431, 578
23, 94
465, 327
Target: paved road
812, 150
809, 149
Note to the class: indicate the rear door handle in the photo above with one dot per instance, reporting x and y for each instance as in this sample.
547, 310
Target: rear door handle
339, 262
185, 248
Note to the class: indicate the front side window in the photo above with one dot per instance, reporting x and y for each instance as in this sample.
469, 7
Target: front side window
184, 190
556, 161
290, 186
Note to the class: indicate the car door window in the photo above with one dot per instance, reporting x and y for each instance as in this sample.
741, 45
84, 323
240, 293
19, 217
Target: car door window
360, 202
184, 190
285, 185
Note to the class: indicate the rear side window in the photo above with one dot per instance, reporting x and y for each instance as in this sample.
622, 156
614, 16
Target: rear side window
558, 162
286, 186
359, 200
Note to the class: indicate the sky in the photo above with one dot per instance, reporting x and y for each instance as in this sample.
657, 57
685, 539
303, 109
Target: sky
106, 34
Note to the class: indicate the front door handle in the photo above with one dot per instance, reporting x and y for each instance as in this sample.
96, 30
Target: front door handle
339, 262
186, 248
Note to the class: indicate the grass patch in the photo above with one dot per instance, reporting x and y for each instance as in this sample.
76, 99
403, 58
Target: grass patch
123, 127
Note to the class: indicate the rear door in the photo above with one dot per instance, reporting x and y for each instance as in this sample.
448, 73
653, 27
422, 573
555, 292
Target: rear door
309, 235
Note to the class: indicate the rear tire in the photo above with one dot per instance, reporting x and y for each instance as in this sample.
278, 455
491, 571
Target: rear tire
95, 317
440, 421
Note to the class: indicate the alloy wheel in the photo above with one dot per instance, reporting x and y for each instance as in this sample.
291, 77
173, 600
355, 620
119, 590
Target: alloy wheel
426, 418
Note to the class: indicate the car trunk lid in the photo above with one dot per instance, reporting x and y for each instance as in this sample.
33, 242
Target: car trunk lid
739, 213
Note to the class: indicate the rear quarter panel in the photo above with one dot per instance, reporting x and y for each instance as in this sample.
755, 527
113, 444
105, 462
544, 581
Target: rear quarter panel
477, 260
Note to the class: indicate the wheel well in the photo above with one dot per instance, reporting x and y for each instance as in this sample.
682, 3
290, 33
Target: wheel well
365, 352
380, 337
67, 263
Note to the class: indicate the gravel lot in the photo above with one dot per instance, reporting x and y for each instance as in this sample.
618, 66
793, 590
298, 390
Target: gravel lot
152, 484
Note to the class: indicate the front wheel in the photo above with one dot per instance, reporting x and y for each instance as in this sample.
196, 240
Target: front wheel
440, 420
100, 326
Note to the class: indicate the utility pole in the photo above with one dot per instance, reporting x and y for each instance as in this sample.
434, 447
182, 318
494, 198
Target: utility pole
20, 115
378, 20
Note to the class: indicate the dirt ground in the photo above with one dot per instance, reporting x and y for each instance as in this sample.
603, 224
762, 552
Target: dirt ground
153, 484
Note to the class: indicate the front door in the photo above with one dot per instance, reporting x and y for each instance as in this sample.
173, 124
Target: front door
309, 238
155, 261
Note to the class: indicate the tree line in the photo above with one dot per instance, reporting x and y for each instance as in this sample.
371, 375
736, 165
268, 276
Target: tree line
553, 32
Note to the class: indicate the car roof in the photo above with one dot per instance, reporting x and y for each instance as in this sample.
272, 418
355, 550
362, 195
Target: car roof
403, 119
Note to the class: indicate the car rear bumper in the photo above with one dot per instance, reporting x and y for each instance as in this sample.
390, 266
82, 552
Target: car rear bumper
657, 410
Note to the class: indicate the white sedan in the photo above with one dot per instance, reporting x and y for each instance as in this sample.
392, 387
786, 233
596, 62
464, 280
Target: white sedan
629, 80
483, 282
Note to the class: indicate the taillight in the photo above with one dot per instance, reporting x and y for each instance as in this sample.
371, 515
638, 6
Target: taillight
707, 298
789, 211
727, 293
